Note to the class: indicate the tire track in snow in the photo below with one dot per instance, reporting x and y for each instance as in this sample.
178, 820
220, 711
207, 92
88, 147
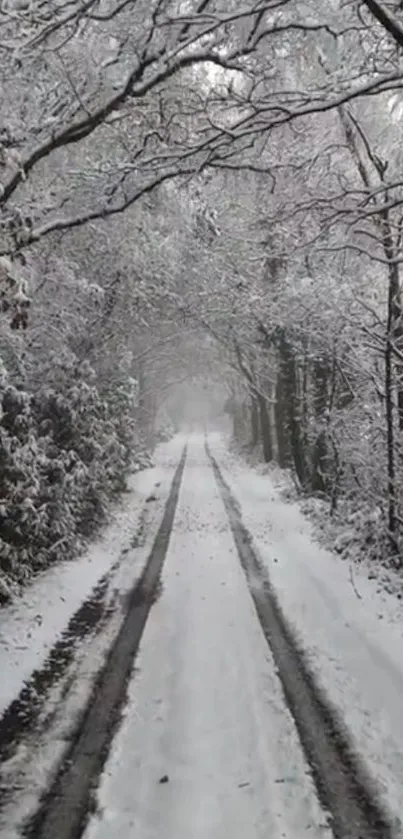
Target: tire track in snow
21, 717
64, 808
344, 786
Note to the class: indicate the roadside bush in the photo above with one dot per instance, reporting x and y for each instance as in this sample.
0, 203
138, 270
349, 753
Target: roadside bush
63, 458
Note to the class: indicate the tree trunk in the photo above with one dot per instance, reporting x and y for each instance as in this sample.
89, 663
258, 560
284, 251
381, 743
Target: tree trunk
237, 422
280, 420
389, 415
281, 409
320, 459
304, 399
265, 428
393, 326
295, 418
254, 419
289, 424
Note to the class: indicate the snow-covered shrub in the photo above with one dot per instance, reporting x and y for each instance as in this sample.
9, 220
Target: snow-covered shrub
63, 458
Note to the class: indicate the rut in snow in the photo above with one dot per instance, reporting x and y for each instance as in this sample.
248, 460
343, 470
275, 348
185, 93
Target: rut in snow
343, 784
66, 805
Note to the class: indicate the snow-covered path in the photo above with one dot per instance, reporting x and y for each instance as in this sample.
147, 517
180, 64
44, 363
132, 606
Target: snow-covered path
54, 640
207, 748
210, 741
351, 632
32, 624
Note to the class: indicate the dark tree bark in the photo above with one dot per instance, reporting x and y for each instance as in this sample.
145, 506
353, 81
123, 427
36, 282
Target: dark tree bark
265, 428
392, 329
320, 458
289, 411
281, 409
389, 416
283, 455
254, 420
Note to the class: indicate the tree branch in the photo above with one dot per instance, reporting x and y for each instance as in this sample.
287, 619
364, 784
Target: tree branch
386, 19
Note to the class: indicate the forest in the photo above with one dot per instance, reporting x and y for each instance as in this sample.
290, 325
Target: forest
207, 192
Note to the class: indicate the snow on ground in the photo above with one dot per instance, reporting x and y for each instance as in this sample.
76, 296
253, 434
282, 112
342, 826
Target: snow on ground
207, 748
352, 632
30, 626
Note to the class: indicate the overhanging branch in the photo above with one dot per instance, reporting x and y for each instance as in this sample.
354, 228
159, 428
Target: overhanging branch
386, 19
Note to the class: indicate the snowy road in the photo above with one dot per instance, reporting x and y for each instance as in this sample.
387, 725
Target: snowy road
228, 726
206, 707
353, 644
